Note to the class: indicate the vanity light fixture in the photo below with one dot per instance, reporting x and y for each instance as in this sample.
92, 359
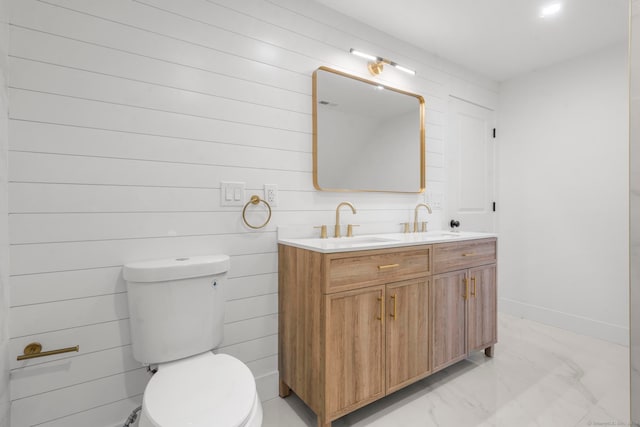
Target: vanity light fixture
377, 63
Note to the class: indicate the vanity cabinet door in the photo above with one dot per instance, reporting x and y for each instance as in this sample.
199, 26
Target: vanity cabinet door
482, 329
354, 352
448, 300
407, 330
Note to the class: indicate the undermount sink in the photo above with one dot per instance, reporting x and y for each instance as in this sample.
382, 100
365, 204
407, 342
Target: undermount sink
363, 240
345, 243
448, 235
350, 242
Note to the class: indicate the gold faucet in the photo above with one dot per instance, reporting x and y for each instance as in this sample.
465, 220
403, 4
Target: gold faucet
337, 229
415, 220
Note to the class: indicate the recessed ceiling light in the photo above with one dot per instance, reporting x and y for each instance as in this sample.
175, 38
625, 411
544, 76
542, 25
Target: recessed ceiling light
550, 10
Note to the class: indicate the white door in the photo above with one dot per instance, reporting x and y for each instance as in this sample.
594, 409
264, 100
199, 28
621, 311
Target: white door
470, 156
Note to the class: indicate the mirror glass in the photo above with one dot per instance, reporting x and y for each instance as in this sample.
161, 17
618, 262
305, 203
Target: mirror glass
366, 136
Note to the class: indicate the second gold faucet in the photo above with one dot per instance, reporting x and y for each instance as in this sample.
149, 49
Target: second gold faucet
337, 232
415, 219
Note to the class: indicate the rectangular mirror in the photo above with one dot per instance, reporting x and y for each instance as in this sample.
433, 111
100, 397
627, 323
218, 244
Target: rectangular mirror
366, 136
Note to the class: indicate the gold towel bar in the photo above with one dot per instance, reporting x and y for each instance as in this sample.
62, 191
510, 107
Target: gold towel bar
34, 350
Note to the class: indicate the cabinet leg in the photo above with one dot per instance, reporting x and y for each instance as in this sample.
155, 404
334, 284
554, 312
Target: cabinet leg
488, 351
323, 423
285, 390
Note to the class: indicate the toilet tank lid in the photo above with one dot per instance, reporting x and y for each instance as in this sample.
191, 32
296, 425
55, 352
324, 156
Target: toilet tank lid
175, 268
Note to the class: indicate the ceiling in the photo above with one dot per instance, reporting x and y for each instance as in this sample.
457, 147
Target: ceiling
498, 38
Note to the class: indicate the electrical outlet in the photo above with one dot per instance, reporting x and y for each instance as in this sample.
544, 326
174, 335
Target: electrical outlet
437, 201
271, 194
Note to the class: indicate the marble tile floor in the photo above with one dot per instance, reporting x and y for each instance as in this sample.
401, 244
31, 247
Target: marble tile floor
540, 376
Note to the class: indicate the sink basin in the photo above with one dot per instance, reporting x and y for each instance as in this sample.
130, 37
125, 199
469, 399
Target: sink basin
350, 242
449, 235
343, 243
363, 240
444, 235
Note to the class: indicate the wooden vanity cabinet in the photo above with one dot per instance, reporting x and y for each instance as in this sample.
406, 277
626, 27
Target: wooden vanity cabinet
353, 326
377, 342
482, 318
407, 333
356, 326
449, 319
354, 348
464, 302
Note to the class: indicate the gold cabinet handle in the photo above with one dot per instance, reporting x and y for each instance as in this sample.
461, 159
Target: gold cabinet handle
473, 292
466, 288
33, 350
393, 315
384, 267
469, 254
380, 317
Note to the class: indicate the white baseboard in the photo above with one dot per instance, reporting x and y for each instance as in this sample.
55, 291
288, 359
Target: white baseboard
581, 325
267, 386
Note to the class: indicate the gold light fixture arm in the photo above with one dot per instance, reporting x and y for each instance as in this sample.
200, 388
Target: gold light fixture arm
375, 68
376, 64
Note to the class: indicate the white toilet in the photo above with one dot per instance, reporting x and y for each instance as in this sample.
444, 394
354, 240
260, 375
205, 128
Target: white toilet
176, 316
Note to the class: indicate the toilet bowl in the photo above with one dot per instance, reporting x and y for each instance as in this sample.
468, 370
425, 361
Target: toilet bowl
176, 319
202, 391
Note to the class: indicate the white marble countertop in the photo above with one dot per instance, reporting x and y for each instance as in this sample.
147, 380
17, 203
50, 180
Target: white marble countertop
381, 241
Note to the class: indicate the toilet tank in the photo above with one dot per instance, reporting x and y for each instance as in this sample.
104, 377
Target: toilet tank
176, 306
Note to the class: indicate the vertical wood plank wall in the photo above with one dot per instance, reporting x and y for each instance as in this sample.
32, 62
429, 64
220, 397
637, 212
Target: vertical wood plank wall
125, 115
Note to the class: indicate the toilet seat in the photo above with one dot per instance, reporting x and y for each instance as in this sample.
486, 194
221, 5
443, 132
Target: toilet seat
201, 391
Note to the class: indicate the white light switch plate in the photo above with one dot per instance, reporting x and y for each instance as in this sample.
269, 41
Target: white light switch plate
232, 194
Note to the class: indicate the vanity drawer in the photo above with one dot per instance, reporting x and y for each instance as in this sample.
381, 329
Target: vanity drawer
456, 256
357, 269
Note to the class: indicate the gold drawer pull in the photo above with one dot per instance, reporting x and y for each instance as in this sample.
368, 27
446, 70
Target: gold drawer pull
34, 350
384, 267
473, 292
466, 288
469, 254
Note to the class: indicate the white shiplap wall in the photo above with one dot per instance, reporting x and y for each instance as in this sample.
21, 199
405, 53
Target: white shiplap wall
4, 248
124, 118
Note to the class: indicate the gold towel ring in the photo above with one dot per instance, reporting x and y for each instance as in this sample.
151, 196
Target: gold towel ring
254, 201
